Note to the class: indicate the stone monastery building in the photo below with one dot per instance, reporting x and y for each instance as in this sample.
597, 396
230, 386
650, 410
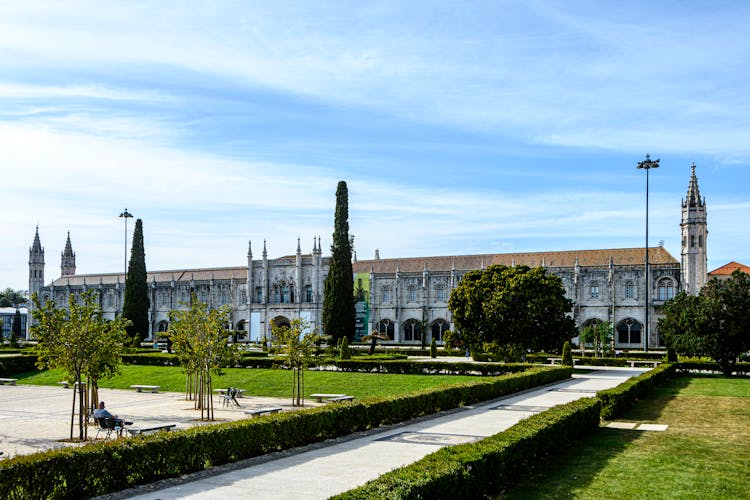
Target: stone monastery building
404, 296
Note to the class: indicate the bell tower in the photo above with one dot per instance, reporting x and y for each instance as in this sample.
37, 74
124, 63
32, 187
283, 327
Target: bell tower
36, 265
694, 229
68, 259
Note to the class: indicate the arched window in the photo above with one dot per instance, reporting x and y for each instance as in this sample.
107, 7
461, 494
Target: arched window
240, 329
163, 326
412, 330
276, 295
665, 289
629, 332
308, 293
258, 294
412, 294
438, 329
594, 289
386, 326
285, 294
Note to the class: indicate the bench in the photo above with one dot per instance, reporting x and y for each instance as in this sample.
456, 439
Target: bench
321, 397
633, 362
261, 411
10, 381
554, 361
238, 394
142, 430
152, 388
340, 398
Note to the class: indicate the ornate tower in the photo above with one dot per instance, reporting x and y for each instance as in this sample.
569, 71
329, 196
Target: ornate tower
68, 259
694, 238
36, 265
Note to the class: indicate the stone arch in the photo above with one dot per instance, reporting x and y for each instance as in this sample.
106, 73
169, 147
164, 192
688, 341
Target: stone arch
412, 330
629, 333
162, 326
278, 322
665, 289
438, 328
386, 326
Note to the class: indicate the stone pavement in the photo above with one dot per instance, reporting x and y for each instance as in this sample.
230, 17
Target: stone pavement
36, 418
322, 470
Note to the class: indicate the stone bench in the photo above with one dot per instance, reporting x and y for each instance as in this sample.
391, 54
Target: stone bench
152, 388
261, 411
321, 397
340, 398
9, 381
135, 431
633, 362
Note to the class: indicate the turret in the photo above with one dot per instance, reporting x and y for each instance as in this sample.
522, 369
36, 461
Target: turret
36, 265
694, 228
68, 259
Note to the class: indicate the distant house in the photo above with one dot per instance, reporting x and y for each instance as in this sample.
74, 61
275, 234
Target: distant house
725, 271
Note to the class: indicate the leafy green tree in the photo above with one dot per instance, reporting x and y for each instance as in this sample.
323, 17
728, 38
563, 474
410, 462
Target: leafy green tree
136, 303
81, 343
200, 338
714, 323
599, 335
521, 307
11, 298
338, 298
296, 342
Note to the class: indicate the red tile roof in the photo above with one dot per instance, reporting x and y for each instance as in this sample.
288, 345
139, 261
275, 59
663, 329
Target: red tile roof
728, 269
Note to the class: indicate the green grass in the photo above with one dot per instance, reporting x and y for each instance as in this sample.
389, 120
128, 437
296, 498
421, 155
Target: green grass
268, 383
703, 455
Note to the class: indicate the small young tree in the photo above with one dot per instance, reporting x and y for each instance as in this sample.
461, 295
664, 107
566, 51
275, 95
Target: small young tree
433, 349
373, 340
567, 354
296, 342
80, 342
200, 339
599, 335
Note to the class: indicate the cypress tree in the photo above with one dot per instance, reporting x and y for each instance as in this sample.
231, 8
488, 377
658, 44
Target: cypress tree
136, 304
16, 331
338, 298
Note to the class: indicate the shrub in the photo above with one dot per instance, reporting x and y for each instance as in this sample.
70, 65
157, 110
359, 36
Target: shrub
433, 349
567, 355
618, 399
344, 350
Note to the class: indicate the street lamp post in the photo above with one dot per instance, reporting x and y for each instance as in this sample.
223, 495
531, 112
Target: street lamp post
647, 165
126, 215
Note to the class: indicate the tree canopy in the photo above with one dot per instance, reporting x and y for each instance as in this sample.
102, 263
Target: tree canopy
136, 303
338, 299
297, 343
714, 323
200, 339
80, 342
521, 307
11, 298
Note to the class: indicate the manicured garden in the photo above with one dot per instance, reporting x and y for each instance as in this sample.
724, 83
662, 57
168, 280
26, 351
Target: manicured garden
703, 454
266, 382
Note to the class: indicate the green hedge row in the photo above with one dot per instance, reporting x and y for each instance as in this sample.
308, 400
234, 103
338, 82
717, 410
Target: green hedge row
13, 365
427, 367
618, 399
105, 467
711, 366
473, 470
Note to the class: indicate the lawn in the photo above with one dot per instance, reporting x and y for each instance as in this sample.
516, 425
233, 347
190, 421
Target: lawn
266, 382
704, 454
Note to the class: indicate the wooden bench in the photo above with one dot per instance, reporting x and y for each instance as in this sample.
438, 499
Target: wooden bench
340, 398
633, 362
154, 428
152, 388
261, 411
9, 381
321, 397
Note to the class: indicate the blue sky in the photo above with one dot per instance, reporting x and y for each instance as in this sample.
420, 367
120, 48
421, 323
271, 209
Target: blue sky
460, 127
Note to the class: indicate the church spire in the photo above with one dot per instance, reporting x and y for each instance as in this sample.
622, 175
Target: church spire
68, 259
694, 228
693, 198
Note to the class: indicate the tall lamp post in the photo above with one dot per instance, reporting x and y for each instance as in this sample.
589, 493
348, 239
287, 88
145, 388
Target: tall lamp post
647, 165
126, 215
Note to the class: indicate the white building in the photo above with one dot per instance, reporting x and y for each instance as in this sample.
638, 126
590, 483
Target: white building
401, 296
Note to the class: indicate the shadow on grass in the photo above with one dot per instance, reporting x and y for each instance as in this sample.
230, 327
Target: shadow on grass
651, 409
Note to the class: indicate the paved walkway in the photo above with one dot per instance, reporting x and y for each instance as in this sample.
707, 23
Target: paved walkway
327, 469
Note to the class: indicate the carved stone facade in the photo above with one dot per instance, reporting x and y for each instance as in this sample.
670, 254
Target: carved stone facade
406, 298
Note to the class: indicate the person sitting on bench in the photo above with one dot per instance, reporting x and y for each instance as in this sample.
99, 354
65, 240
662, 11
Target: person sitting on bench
102, 412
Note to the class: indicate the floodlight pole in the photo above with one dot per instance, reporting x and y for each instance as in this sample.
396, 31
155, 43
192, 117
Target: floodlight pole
647, 165
126, 215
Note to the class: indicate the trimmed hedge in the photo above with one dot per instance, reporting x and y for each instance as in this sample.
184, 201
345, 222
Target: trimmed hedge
618, 399
17, 364
712, 366
428, 367
101, 468
473, 470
